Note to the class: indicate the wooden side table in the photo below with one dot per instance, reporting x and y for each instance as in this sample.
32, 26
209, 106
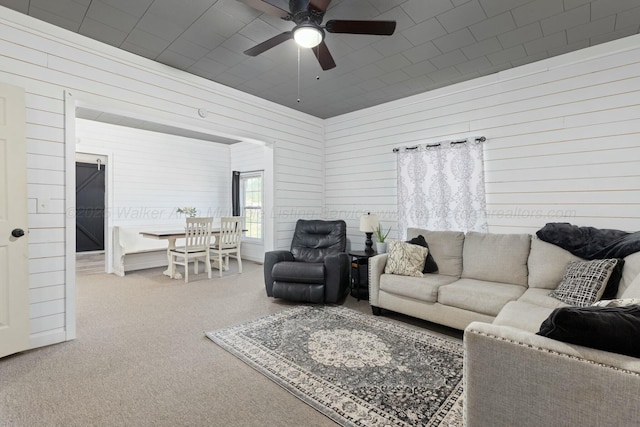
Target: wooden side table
360, 274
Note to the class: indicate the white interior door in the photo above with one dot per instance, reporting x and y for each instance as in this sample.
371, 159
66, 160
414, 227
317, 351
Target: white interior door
14, 268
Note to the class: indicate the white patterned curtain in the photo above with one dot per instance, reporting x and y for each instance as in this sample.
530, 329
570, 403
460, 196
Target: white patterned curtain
442, 187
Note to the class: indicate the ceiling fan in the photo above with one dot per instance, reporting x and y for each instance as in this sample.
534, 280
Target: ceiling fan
309, 31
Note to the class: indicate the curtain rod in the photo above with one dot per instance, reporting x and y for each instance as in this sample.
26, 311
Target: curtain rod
438, 144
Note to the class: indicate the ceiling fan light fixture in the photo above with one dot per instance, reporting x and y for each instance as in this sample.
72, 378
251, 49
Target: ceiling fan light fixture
308, 35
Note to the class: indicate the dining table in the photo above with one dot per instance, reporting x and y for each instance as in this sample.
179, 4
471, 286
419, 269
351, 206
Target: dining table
171, 236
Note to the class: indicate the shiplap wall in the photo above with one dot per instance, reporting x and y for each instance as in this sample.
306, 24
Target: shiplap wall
156, 174
153, 173
562, 136
563, 142
249, 157
299, 192
47, 61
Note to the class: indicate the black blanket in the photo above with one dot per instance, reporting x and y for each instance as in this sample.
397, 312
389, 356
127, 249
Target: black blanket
589, 242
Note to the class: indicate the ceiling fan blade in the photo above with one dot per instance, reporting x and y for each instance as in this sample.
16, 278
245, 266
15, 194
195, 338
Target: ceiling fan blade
381, 28
324, 56
268, 44
269, 7
297, 6
320, 5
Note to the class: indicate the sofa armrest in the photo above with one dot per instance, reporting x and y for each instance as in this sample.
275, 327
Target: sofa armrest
336, 270
376, 268
270, 259
514, 377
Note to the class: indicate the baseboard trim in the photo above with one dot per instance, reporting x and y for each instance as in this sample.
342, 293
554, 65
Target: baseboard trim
42, 339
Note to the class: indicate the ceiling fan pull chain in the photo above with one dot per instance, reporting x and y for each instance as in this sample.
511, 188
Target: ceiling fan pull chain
319, 62
298, 73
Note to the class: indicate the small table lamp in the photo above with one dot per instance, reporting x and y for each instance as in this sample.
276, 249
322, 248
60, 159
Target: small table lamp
368, 224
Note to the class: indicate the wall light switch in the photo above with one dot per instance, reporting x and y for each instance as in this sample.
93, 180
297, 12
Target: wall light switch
43, 205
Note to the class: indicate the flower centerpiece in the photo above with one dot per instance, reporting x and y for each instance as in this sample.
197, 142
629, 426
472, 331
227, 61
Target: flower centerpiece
188, 210
381, 245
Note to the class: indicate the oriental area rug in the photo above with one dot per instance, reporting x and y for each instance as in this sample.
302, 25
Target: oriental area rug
357, 369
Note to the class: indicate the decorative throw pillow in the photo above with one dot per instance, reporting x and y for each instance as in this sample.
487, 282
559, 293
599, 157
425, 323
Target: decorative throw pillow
611, 289
614, 329
620, 302
430, 265
584, 282
405, 259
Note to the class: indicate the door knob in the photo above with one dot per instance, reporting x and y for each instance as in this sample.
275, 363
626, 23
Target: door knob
17, 232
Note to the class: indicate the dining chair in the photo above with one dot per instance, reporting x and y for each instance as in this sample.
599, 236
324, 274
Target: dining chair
227, 243
197, 241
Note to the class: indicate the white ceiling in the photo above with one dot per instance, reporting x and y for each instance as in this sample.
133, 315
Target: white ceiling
436, 43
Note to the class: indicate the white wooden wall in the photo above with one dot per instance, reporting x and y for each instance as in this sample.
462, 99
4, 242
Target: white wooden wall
47, 61
562, 135
299, 191
154, 173
248, 157
563, 142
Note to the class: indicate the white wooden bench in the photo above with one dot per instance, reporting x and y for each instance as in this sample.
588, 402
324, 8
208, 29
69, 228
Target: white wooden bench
132, 251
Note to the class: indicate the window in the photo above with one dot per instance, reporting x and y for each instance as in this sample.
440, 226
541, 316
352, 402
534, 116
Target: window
251, 203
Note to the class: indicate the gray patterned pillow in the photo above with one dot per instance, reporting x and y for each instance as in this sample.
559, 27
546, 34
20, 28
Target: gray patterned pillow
619, 302
405, 259
584, 282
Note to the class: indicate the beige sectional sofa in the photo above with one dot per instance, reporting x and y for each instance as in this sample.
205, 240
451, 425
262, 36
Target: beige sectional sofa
495, 287
494, 272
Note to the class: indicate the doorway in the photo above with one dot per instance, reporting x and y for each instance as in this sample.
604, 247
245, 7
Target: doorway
90, 207
93, 103
91, 173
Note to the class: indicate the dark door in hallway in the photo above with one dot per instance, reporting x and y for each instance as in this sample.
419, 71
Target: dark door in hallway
90, 207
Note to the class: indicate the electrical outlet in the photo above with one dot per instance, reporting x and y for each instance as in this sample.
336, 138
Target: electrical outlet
43, 205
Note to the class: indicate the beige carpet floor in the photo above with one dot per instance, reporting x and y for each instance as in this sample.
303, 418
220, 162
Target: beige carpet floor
141, 358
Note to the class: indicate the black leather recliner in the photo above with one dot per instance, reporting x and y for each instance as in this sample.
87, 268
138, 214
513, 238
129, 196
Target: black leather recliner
317, 267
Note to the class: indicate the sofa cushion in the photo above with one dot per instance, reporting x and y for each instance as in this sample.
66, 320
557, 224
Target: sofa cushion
496, 257
430, 265
614, 329
633, 289
547, 264
630, 271
420, 288
479, 295
405, 259
523, 315
584, 282
446, 248
541, 298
